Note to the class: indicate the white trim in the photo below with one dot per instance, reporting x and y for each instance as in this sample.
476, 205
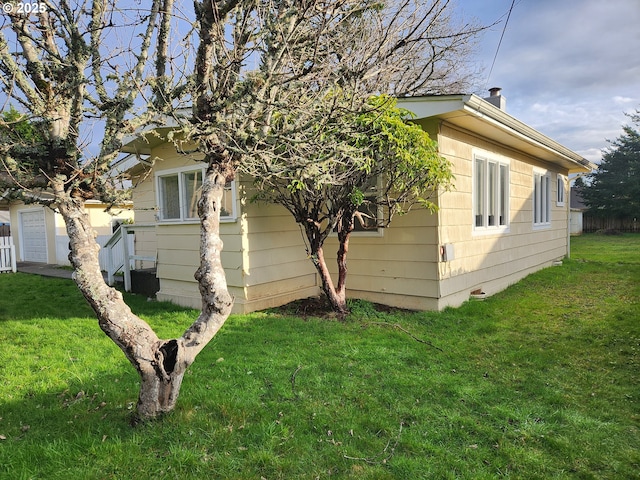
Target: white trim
538, 205
183, 219
561, 182
501, 204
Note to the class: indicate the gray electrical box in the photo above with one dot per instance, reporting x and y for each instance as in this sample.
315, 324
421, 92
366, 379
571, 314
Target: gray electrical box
447, 252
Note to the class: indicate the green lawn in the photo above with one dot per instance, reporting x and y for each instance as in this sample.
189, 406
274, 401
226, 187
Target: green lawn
541, 381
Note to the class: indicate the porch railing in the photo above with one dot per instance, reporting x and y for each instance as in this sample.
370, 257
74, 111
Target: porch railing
121, 253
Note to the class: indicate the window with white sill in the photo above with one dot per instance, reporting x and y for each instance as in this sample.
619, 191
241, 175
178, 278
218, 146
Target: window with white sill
178, 193
541, 198
490, 195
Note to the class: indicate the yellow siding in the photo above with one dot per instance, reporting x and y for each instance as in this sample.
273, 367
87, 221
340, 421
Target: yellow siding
398, 267
177, 245
403, 267
184, 294
263, 255
491, 262
266, 263
411, 302
276, 268
102, 221
283, 287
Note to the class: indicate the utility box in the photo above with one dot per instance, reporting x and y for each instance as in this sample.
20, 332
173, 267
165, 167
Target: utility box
145, 282
447, 252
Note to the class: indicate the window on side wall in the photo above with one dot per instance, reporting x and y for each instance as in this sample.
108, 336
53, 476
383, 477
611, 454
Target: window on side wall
490, 195
541, 198
179, 191
369, 213
560, 192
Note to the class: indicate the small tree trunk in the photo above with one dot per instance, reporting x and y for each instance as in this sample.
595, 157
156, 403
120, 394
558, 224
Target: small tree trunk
341, 259
337, 295
337, 298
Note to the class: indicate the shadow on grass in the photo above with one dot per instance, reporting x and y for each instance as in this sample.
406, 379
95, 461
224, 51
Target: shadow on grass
29, 297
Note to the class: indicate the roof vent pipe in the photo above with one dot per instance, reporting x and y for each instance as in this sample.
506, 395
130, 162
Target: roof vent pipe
496, 99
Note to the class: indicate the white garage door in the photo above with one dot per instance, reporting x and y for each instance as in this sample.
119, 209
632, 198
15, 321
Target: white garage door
34, 236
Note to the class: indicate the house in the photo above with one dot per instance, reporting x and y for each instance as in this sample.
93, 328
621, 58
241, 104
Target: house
508, 216
39, 232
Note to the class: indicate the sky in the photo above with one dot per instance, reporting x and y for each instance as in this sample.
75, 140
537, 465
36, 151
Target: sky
568, 68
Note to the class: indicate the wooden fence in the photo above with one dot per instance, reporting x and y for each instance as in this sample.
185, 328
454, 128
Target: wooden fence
595, 224
7, 255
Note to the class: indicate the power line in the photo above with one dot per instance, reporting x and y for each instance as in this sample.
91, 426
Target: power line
513, 3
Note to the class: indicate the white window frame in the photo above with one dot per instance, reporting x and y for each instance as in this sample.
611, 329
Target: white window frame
541, 198
561, 192
183, 216
491, 192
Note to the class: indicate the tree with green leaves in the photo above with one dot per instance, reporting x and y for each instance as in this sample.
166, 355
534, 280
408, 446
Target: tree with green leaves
613, 190
21, 146
366, 167
314, 123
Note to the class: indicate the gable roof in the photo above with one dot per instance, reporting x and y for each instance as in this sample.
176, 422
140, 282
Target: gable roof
477, 115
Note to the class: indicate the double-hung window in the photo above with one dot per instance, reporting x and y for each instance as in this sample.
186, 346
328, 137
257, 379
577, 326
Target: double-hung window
491, 194
179, 191
541, 198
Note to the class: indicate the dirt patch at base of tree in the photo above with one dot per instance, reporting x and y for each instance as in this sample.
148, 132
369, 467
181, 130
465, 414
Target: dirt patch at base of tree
319, 307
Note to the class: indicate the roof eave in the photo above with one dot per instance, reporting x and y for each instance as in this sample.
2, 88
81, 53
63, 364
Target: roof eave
475, 114
142, 141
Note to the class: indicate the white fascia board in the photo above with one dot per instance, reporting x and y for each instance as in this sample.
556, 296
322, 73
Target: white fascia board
433, 106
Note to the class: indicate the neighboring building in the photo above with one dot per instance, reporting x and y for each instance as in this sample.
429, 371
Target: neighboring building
507, 216
577, 209
4, 223
39, 233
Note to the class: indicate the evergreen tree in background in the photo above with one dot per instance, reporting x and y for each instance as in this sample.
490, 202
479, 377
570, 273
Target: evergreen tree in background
614, 189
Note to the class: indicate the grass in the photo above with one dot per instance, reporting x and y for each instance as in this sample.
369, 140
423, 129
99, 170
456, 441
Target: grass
538, 382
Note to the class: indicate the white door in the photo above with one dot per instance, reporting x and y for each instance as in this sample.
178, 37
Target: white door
34, 236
